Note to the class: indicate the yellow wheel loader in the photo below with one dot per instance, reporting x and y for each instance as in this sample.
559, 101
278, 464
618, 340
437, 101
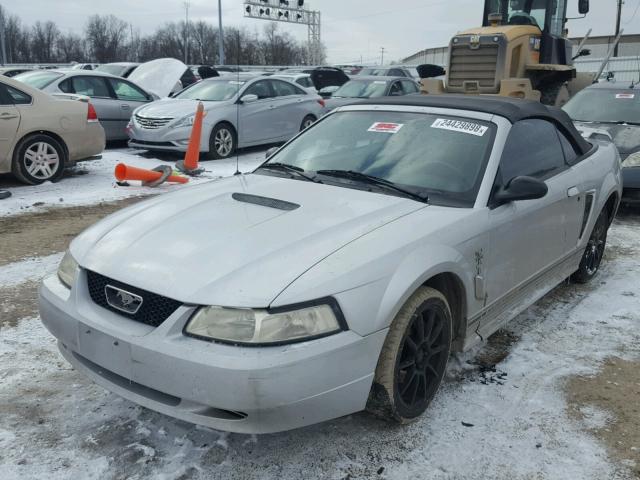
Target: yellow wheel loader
520, 51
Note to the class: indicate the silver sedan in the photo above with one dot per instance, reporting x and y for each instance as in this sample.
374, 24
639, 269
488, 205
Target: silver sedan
114, 98
240, 112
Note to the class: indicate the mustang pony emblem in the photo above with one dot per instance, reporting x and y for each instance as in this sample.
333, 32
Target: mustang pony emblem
122, 300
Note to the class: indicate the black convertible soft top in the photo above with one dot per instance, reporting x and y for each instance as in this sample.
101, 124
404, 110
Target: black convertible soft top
512, 109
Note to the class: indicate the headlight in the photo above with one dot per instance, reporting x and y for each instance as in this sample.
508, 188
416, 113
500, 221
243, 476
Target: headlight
632, 160
185, 122
67, 270
261, 327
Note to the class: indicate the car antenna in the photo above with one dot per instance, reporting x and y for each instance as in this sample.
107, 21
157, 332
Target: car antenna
238, 172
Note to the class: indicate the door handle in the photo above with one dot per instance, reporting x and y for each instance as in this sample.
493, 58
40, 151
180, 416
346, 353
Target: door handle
125, 107
573, 192
8, 116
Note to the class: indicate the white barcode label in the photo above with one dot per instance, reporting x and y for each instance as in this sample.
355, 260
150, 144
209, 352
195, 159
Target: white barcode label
460, 126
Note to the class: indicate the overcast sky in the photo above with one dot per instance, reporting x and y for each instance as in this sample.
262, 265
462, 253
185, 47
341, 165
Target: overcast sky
351, 29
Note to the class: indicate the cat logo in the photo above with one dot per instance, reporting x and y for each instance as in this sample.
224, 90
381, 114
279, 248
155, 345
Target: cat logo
474, 42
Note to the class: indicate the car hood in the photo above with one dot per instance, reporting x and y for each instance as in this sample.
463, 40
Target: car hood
159, 76
625, 137
203, 246
175, 108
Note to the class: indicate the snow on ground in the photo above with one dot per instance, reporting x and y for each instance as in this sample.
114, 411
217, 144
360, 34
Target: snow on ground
93, 181
57, 425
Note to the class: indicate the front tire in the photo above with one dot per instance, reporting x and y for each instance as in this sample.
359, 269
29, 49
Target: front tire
414, 358
593, 253
223, 142
38, 158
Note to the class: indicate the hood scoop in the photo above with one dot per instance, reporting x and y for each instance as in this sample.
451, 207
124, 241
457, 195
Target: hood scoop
265, 201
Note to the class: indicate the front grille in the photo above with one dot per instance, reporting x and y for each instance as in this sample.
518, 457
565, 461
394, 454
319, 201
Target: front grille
473, 65
152, 144
154, 310
151, 123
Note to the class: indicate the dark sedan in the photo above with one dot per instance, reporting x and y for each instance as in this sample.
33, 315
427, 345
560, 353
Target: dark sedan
615, 108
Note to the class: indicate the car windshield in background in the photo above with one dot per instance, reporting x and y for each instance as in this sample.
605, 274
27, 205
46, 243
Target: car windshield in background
441, 157
116, 70
39, 79
605, 106
376, 72
362, 89
212, 90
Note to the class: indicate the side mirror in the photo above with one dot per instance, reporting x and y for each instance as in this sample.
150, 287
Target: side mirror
521, 188
583, 7
271, 152
249, 98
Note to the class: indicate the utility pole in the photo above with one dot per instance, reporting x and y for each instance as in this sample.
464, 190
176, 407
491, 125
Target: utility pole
221, 35
382, 56
187, 4
615, 51
3, 49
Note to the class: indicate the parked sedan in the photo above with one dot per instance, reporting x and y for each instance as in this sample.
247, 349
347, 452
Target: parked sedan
114, 98
371, 87
340, 274
302, 79
614, 108
40, 135
386, 72
240, 112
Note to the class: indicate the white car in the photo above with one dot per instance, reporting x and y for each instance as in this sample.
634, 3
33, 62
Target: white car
302, 79
340, 274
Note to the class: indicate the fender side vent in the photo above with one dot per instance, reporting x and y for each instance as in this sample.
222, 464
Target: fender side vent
265, 201
588, 204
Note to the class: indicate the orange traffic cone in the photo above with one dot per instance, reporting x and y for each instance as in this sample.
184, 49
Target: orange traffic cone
190, 163
150, 178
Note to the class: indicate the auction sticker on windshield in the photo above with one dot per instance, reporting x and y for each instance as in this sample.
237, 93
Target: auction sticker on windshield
385, 127
627, 96
460, 126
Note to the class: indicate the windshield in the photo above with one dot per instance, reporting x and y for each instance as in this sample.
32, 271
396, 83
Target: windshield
116, 70
38, 79
362, 89
375, 72
606, 106
212, 90
442, 157
522, 12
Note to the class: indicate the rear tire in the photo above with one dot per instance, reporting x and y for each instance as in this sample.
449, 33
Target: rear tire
307, 122
593, 253
223, 142
555, 94
39, 158
413, 359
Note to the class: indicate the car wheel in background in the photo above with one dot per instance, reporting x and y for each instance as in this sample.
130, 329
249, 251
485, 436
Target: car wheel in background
592, 256
414, 357
38, 158
307, 122
223, 142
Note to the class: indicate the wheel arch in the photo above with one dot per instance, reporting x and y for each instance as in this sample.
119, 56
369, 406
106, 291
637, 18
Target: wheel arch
452, 287
611, 205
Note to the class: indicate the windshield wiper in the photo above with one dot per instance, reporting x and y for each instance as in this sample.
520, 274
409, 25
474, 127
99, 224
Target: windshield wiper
300, 172
372, 180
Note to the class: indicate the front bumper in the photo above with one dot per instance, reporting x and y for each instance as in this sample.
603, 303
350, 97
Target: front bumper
166, 138
245, 390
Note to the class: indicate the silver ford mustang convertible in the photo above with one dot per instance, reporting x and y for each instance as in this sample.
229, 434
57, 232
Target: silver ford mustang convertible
340, 274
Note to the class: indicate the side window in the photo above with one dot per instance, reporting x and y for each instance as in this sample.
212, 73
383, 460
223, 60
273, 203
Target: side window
19, 98
66, 86
396, 72
284, 89
532, 149
570, 154
261, 88
409, 87
127, 91
90, 86
396, 89
304, 81
5, 98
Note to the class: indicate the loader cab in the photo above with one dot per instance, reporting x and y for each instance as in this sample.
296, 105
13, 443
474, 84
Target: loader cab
547, 15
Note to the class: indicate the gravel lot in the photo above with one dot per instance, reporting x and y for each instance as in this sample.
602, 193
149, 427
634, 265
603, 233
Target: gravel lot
554, 396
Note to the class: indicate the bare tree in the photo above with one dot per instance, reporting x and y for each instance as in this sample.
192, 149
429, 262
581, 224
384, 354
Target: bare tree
71, 48
44, 37
106, 37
